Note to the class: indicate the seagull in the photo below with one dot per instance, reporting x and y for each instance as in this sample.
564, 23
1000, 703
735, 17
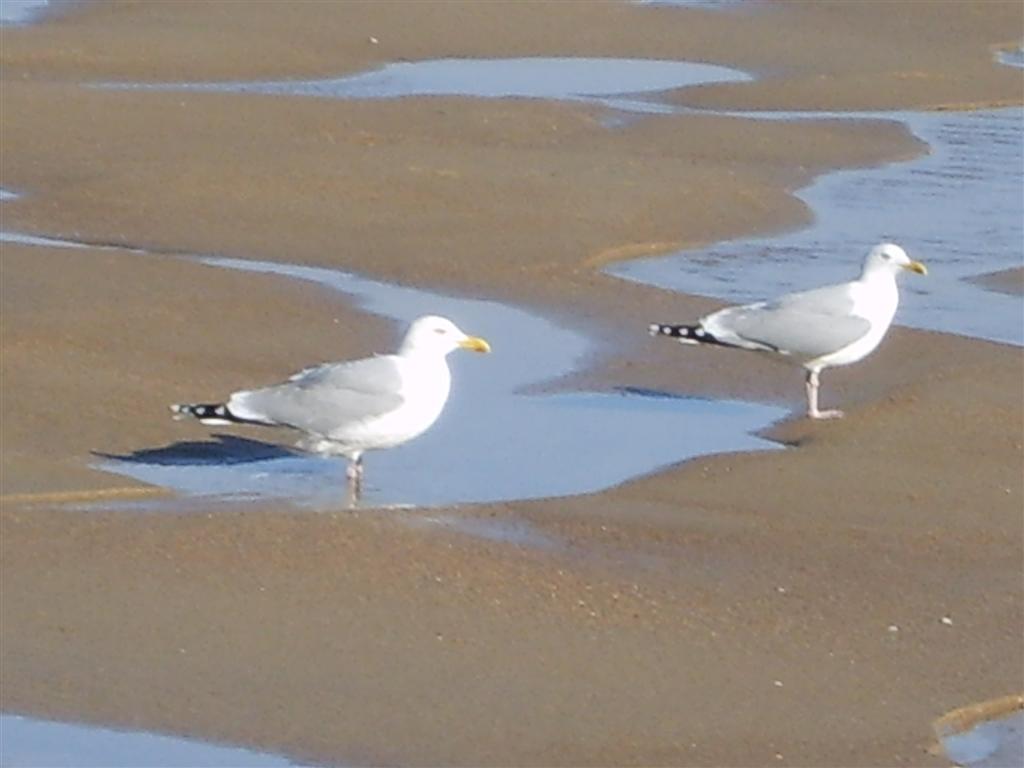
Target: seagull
817, 329
349, 408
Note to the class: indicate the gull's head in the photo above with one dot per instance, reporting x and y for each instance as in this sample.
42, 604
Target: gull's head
439, 335
890, 258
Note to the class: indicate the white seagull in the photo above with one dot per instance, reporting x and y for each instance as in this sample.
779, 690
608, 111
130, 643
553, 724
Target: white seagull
352, 407
817, 329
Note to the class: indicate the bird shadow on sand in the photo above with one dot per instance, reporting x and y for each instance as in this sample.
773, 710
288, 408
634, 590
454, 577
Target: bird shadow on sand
219, 450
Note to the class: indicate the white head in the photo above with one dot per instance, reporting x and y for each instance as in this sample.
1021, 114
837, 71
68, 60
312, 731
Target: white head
889, 258
439, 336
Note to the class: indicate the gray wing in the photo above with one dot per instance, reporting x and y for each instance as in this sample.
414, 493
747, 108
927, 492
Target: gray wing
808, 324
323, 399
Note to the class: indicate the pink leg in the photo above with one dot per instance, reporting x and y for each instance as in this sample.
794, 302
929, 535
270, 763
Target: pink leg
812, 400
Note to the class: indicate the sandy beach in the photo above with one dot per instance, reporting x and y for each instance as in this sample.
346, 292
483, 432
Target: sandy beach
730, 610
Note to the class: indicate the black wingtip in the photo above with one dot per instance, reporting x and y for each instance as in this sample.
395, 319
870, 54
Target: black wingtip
675, 331
686, 334
217, 413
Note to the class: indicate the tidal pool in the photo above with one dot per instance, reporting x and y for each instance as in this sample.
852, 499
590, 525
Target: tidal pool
596, 80
496, 441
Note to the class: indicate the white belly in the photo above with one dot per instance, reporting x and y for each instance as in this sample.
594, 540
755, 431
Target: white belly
876, 304
424, 396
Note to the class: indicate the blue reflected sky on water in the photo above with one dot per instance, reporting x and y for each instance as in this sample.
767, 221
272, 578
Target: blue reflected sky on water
27, 742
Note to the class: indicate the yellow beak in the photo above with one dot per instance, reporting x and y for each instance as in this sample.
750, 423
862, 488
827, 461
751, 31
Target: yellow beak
917, 266
475, 343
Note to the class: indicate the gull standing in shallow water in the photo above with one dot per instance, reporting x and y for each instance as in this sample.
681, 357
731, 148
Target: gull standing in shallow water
820, 328
352, 407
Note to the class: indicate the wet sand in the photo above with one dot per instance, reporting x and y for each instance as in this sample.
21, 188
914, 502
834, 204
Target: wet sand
734, 610
1009, 281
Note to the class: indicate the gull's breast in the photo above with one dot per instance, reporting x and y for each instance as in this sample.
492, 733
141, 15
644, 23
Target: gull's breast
424, 392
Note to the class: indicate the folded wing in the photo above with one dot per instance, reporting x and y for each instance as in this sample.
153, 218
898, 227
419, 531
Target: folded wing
807, 325
326, 398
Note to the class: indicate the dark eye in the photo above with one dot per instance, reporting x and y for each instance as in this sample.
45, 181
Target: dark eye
440, 331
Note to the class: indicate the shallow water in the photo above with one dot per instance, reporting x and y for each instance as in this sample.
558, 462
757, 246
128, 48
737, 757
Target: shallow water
992, 743
21, 238
17, 12
26, 742
490, 445
954, 209
564, 79
960, 209
1012, 58
493, 442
